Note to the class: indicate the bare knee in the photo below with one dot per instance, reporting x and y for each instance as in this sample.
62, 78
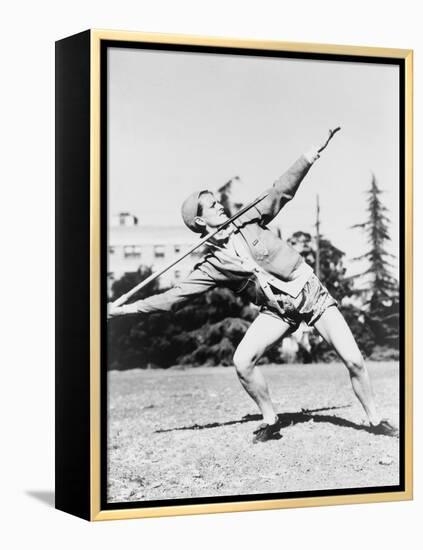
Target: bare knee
355, 364
244, 363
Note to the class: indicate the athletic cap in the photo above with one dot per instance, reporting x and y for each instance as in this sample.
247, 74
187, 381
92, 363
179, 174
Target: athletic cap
189, 210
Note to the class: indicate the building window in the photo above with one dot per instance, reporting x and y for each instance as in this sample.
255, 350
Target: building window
127, 219
159, 251
132, 251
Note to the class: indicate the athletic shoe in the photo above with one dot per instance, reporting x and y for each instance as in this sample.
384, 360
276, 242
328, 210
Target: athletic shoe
385, 427
265, 432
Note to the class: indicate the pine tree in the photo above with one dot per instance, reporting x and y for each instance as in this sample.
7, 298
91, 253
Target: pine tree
381, 288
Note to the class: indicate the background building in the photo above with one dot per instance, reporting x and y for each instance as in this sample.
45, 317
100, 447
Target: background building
132, 245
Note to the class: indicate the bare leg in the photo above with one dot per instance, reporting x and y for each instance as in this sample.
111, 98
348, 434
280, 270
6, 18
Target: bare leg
334, 329
263, 332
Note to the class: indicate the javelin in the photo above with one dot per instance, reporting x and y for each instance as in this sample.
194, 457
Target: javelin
153, 276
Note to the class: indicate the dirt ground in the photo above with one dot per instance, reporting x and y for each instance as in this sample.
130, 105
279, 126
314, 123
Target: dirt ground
187, 433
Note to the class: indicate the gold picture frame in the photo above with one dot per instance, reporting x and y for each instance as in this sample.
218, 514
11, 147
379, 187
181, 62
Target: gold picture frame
79, 430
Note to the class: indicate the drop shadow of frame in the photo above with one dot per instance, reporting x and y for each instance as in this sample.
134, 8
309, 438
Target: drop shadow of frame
46, 497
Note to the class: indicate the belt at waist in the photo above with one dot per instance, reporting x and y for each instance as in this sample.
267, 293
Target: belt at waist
300, 276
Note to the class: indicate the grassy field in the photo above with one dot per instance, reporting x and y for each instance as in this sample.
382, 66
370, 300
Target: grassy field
187, 433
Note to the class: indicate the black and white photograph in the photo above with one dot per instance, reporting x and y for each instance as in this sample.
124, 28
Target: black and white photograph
253, 275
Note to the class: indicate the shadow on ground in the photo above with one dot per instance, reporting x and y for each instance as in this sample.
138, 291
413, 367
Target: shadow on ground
285, 420
46, 497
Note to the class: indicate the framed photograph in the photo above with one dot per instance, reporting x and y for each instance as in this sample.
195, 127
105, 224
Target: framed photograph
234, 275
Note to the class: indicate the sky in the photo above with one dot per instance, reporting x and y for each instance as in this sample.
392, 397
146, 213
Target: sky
179, 122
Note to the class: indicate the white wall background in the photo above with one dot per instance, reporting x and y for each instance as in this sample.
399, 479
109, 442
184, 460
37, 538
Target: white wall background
27, 37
